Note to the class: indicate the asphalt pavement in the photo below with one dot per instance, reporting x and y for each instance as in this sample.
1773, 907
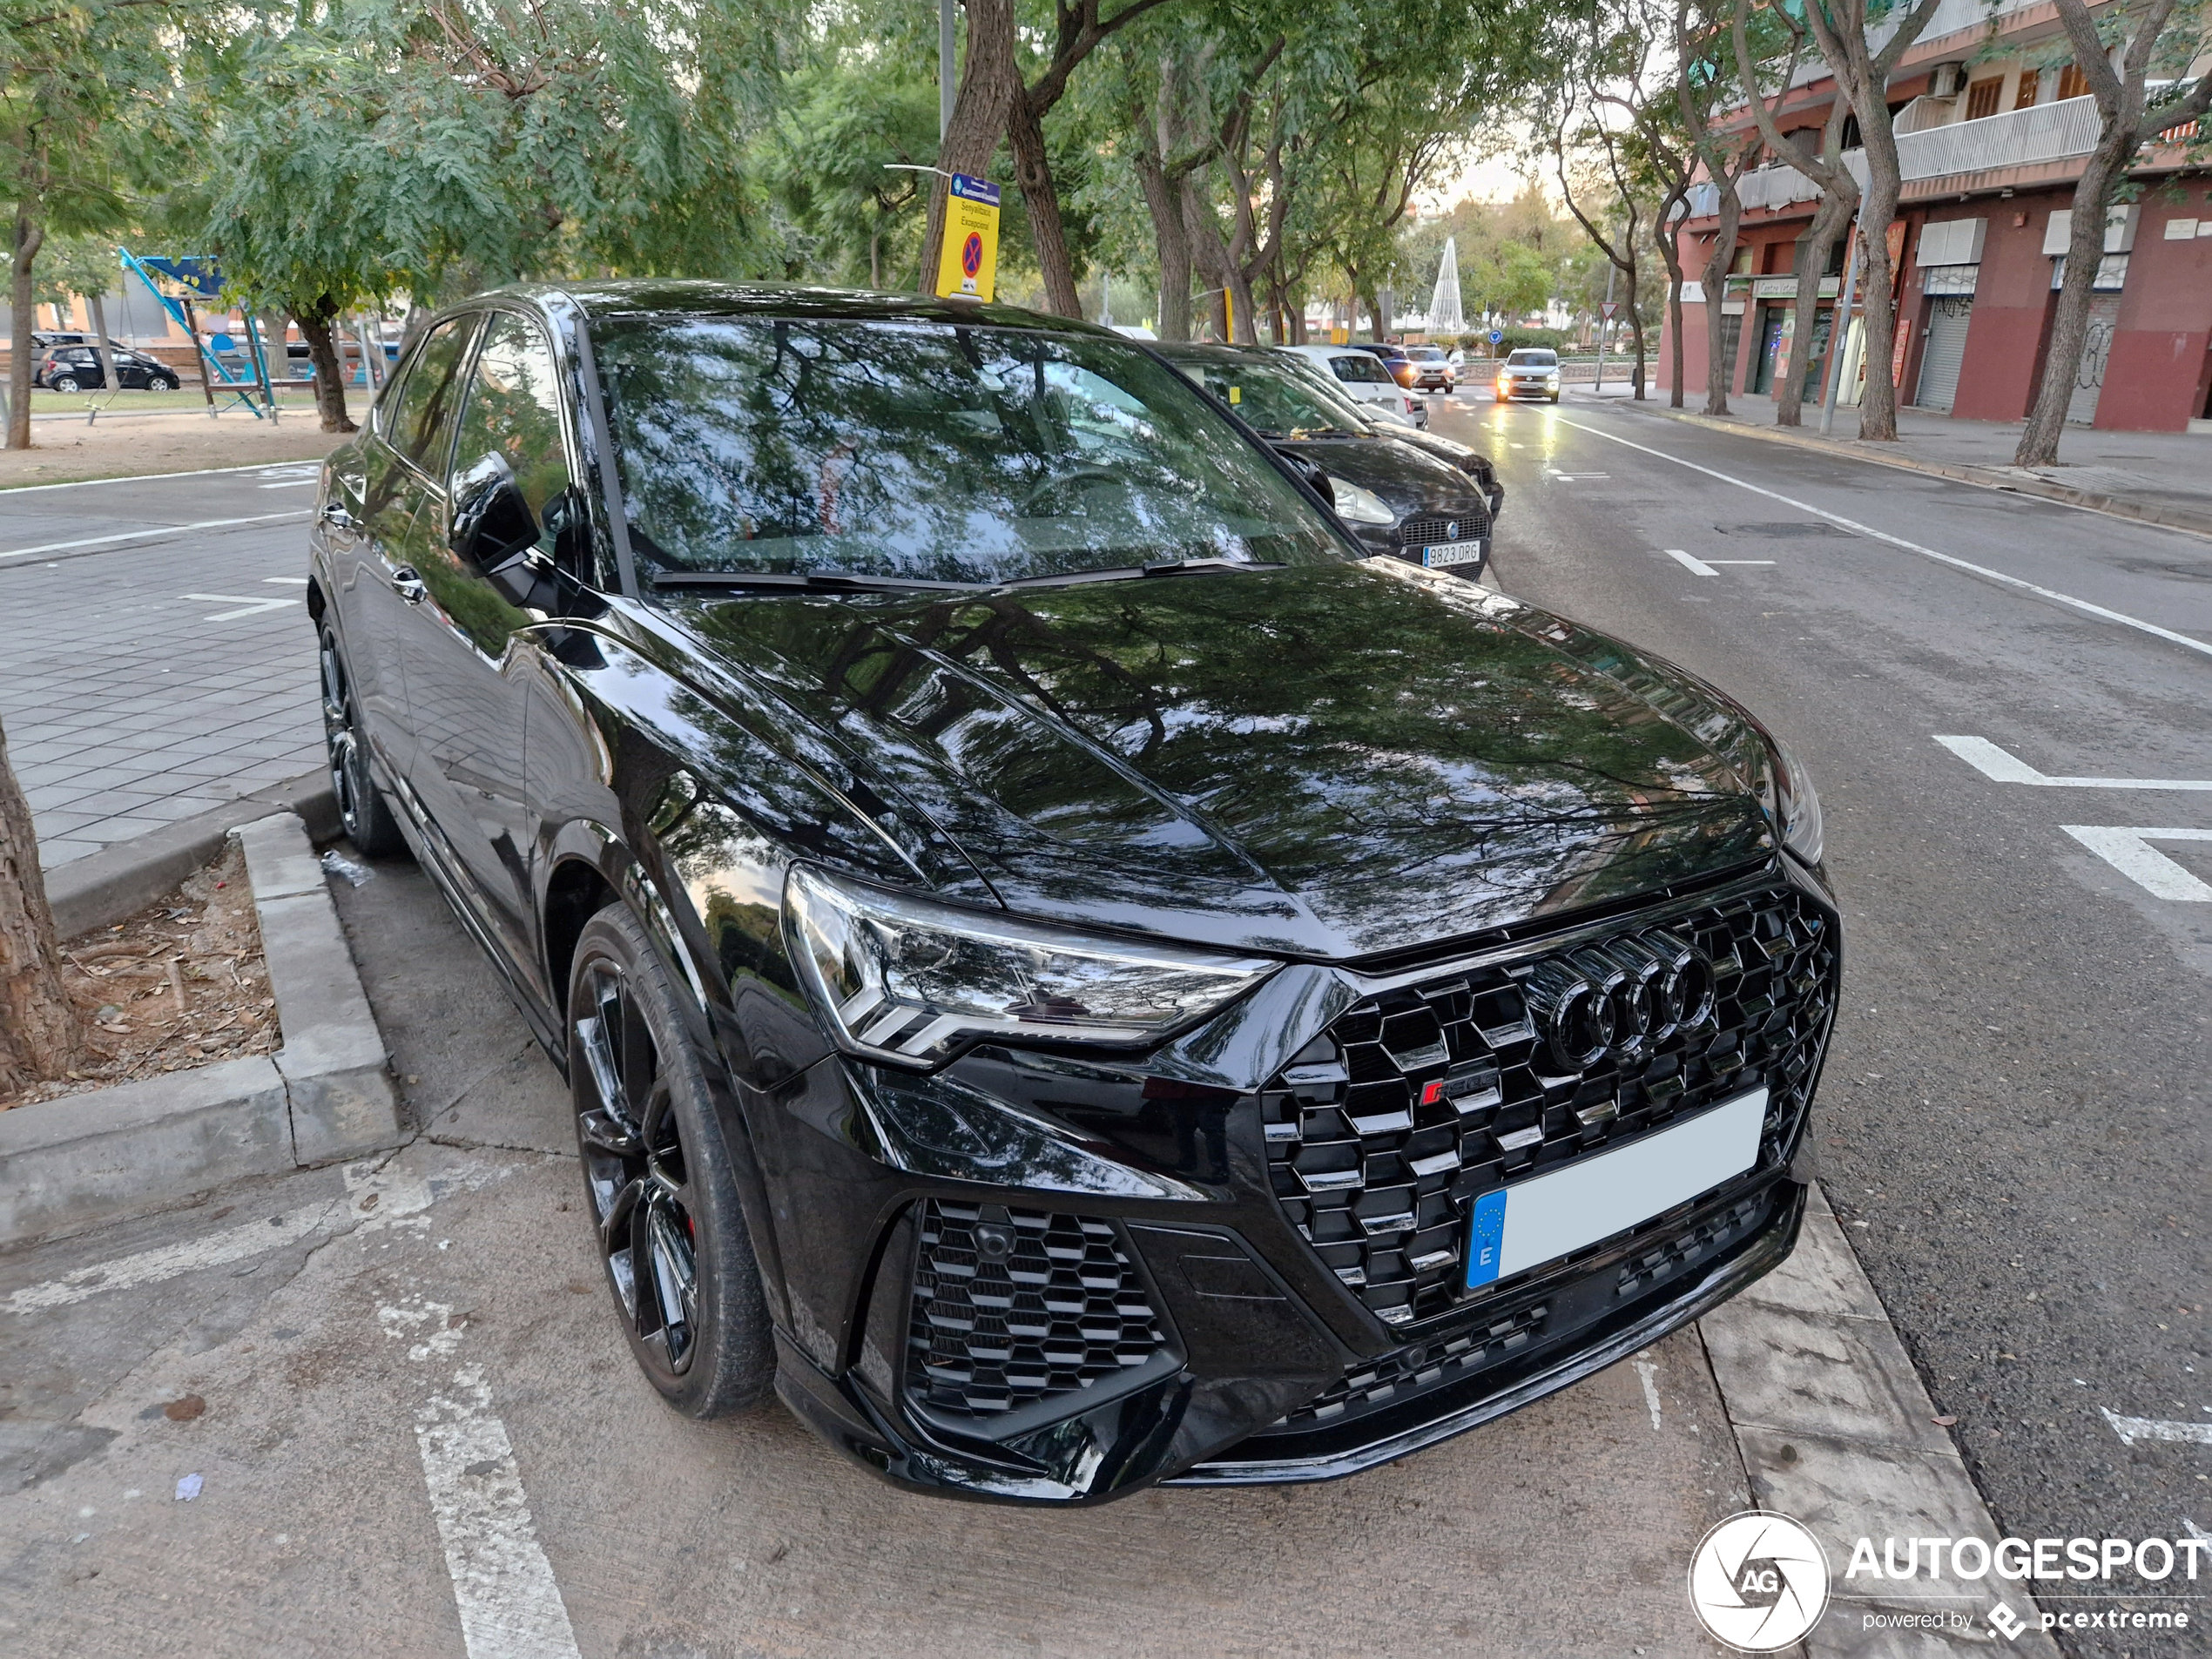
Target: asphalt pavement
155, 659
2012, 1123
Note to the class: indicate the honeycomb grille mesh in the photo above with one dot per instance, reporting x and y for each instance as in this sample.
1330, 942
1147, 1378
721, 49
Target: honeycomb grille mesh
1012, 1307
1381, 1134
1435, 529
1418, 1368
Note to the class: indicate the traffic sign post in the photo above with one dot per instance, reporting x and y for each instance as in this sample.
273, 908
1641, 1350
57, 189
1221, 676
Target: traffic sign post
969, 263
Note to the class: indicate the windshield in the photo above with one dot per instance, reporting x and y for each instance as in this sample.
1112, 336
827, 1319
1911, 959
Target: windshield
928, 451
1360, 365
1533, 360
1273, 398
1424, 354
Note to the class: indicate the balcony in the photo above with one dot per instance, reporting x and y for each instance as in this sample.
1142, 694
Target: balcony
2044, 133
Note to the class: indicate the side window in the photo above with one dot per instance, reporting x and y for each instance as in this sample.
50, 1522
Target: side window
424, 412
514, 409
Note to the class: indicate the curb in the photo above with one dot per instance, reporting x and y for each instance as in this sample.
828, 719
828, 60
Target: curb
104, 888
2016, 482
325, 1095
1836, 1431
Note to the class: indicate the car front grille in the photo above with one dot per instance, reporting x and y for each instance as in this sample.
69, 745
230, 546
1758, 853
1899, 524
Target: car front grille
1441, 530
1012, 1307
1382, 1132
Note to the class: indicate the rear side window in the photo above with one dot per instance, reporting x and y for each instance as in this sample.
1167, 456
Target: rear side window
1360, 366
424, 414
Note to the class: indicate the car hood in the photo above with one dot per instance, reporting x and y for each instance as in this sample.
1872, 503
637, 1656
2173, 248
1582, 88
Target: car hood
1327, 761
1407, 479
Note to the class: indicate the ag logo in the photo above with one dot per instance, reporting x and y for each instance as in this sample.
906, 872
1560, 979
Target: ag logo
1758, 1581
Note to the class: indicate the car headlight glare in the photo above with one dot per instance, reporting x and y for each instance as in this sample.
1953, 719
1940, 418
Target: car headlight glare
1358, 506
902, 980
1795, 812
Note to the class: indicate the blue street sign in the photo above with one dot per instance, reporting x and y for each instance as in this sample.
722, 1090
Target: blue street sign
1497, 334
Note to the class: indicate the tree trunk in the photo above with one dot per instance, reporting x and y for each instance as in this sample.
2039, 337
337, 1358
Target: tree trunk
1718, 370
39, 1035
28, 237
989, 81
315, 322
1811, 263
96, 307
1877, 408
1033, 172
1171, 240
2085, 251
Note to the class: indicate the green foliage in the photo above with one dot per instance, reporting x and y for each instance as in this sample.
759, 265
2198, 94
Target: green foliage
70, 266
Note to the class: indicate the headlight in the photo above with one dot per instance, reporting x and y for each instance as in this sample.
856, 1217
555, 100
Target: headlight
903, 980
1361, 506
1795, 812
1551, 380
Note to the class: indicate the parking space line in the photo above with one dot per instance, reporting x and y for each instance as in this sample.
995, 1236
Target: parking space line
248, 604
2131, 1429
2129, 852
2103, 614
151, 529
1695, 567
2000, 765
1739, 561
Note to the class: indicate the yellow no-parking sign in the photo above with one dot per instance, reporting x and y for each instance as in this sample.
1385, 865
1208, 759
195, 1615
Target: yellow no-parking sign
970, 262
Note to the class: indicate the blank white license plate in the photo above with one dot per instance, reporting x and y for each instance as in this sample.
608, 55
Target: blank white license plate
1540, 1219
1454, 553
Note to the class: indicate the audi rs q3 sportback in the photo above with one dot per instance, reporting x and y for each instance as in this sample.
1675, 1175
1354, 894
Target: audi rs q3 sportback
1068, 973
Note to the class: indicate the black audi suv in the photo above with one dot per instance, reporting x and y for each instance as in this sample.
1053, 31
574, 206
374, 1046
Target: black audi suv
1396, 498
1069, 973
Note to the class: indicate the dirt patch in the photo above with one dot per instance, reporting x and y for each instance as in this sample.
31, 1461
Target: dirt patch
66, 451
180, 984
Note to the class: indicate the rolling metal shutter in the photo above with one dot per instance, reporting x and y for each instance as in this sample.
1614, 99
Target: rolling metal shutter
2096, 348
1946, 350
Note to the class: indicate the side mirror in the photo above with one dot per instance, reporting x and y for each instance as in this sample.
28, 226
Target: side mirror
491, 523
493, 532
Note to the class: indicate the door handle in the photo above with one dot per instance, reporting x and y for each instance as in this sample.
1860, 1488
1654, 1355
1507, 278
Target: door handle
408, 585
335, 515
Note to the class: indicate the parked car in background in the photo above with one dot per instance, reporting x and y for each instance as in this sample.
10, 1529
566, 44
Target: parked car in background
1393, 358
1533, 371
1397, 499
1363, 376
1069, 975
76, 368
1375, 418
1432, 371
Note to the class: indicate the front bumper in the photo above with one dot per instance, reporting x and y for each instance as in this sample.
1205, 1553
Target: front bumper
1160, 1311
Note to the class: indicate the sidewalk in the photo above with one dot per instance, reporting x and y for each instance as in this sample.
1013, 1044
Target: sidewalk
2162, 477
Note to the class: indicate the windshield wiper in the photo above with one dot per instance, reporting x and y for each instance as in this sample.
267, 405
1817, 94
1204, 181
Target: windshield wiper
825, 580
1133, 572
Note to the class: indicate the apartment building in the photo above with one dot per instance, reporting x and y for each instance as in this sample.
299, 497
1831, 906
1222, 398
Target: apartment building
1994, 127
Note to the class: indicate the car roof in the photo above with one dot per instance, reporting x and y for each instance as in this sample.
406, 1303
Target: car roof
656, 296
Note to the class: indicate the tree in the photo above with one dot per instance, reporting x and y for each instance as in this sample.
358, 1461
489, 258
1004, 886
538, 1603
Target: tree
1616, 187
39, 1033
1843, 30
2136, 33
1838, 201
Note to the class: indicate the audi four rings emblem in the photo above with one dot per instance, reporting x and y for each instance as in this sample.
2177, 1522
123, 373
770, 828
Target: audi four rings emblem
1622, 998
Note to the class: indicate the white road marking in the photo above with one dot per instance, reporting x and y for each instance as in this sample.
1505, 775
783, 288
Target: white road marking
133, 478
288, 483
1695, 567
2131, 1429
1853, 525
1739, 561
2001, 766
1646, 1371
510, 1606
247, 604
2129, 852
375, 1198
133, 535
291, 581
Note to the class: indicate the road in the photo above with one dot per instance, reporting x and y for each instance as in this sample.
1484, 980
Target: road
155, 661
2013, 1119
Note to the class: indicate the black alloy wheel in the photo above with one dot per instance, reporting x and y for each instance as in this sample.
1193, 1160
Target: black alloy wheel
661, 1192
363, 812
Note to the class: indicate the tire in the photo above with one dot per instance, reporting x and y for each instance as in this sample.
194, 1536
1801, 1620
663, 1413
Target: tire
63, 384
363, 812
659, 1184
161, 384
1555, 397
